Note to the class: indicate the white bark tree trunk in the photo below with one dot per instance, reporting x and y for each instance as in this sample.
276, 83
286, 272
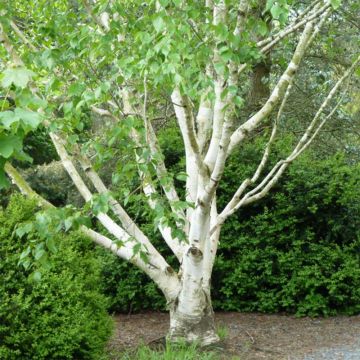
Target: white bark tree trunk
196, 325
191, 312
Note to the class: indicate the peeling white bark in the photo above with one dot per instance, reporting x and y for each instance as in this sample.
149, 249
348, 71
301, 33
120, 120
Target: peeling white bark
278, 92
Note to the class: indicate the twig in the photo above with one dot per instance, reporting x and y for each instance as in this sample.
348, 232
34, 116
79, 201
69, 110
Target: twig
251, 338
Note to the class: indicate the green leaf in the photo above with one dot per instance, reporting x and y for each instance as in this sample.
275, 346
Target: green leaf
159, 24
100, 203
35, 276
144, 257
22, 156
220, 68
18, 76
357, 72
26, 264
9, 144
262, 28
68, 223
182, 176
39, 252
76, 89
269, 4
239, 101
136, 249
50, 243
22, 230
335, 3
30, 119
4, 182
7, 118
25, 253
164, 3
276, 11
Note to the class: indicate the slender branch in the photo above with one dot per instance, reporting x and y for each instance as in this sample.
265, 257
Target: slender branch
186, 122
161, 171
149, 189
267, 44
279, 90
8, 47
312, 131
22, 36
219, 16
249, 181
204, 118
195, 167
270, 42
218, 122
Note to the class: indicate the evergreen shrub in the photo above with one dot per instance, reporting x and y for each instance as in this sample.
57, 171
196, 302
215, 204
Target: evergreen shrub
62, 316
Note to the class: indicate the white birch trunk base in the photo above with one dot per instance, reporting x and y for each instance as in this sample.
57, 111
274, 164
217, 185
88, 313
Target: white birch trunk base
193, 328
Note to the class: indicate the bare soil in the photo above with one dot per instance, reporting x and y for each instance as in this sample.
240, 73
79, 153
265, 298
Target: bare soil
255, 336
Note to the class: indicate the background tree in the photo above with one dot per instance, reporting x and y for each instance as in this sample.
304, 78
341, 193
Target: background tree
132, 63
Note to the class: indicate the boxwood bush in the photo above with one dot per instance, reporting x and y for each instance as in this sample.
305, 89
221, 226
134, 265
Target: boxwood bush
63, 316
298, 250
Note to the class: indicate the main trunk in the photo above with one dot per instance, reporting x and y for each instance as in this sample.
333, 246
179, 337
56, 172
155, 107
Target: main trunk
192, 320
191, 313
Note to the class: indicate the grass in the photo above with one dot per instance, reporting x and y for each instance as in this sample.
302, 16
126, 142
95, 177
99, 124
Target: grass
179, 351
222, 332
171, 352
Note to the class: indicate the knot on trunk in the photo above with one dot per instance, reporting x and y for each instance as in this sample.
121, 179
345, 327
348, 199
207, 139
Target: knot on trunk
195, 252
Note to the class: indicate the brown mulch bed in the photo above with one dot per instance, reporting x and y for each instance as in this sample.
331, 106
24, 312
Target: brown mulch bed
250, 336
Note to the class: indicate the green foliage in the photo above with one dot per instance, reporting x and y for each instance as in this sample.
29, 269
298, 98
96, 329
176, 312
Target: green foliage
39, 146
63, 316
127, 287
18, 76
16, 124
298, 249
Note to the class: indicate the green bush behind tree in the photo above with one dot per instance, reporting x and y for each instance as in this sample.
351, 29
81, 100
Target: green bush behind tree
63, 316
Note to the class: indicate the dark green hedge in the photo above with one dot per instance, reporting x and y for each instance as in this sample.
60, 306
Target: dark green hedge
297, 250
61, 317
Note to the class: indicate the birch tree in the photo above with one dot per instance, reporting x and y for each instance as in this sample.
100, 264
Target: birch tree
130, 63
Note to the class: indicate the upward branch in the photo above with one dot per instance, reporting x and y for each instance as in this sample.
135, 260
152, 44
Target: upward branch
278, 91
263, 188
